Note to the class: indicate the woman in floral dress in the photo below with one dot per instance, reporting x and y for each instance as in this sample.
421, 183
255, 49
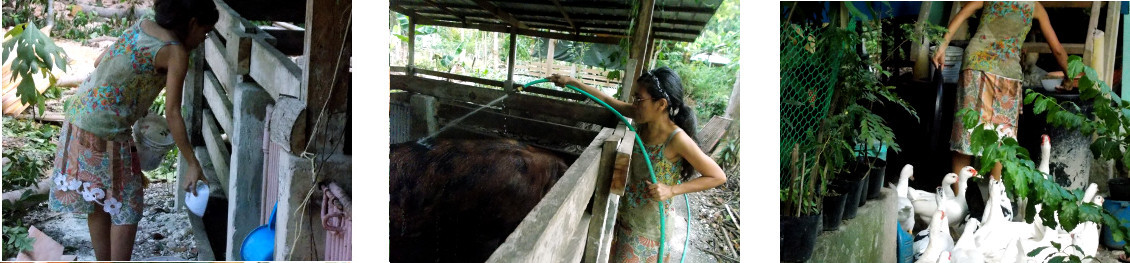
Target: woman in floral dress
990, 81
97, 170
667, 127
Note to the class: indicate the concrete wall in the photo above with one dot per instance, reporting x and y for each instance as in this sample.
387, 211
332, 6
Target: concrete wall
299, 226
869, 237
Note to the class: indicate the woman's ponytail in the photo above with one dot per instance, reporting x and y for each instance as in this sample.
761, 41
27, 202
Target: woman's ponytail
668, 84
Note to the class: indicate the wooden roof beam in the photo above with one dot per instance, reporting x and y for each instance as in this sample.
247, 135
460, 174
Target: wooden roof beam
501, 28
445, 9
501, 14
566, 15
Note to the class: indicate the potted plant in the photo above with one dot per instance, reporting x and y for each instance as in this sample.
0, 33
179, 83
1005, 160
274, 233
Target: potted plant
1024, 182
859, 94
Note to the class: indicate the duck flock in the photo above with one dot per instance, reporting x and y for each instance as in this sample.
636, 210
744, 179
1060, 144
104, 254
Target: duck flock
998, 236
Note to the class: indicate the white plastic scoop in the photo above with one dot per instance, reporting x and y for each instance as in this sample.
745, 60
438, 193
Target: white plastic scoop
197, 203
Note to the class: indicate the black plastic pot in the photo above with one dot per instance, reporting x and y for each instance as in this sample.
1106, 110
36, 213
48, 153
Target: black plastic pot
878, 173
834, 208
798, 237
1119, 189
853, 187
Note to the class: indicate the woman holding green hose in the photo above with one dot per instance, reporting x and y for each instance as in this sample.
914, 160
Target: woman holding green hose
667, 127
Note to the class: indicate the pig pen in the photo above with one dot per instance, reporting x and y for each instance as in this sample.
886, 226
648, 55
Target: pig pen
574, 220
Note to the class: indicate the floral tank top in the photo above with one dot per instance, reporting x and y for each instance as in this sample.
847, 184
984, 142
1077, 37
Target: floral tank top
637, 209
121, 89
995, 48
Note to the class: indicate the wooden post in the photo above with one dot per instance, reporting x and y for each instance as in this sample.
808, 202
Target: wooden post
412, 46
508, 86
1112, 17
732, 110
245, 186
424, 121
640, 38
922, 64
1088, 47
326, 78
600, 197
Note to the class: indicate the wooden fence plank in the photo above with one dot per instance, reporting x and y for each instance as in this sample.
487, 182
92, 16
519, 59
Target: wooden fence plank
600, 195
274, 71
230, 23
216, 55
623, 159
542, 235
217, 149
712, 132
218, 101
491, 119
517, 103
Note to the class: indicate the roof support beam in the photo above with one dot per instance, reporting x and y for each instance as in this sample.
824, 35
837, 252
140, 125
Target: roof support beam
529, 32
500, 14
566, 15
638, 49
445, 9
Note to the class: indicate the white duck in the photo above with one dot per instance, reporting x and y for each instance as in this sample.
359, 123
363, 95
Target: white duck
925, 202
966, 250
905, 206
940, 240
958, 208
997, 236
1044, 167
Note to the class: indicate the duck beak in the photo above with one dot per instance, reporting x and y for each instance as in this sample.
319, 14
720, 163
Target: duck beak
912, 178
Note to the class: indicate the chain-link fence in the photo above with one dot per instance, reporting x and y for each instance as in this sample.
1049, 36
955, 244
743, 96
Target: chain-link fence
809, 69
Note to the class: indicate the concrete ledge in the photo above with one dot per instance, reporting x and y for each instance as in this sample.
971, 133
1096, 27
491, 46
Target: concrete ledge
869, 237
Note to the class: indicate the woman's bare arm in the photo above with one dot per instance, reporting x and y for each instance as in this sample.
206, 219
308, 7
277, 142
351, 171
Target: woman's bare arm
624, 108
174, 87
712, 174
958, 20
1049, 33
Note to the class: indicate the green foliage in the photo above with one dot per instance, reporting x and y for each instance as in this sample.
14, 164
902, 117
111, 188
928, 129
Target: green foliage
16, 240
728, 156
26, 163
1024, 182
35, 54
158, 106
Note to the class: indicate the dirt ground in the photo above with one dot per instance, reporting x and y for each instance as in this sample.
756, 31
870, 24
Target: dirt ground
712, 223
162, 234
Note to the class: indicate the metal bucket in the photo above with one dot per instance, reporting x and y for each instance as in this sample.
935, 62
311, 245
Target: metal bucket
153, 140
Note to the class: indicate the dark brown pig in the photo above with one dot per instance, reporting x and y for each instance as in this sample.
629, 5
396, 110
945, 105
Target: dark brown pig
458, 200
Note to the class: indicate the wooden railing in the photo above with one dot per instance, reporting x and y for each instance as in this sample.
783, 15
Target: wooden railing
236, 75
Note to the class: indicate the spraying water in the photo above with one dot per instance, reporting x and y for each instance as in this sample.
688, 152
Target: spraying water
424, 141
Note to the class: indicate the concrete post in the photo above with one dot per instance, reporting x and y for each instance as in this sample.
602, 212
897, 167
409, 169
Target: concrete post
246, 171
303, 234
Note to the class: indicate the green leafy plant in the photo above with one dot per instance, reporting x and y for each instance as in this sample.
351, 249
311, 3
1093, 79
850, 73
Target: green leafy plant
16, 240
1061, 254
26, 164
728, 155
35, 54
1024, 182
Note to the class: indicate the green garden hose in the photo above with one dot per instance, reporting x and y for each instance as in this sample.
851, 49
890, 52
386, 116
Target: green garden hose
650, 170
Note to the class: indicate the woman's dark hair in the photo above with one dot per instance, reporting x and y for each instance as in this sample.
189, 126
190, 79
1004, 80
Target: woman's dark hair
664, 83
175, 14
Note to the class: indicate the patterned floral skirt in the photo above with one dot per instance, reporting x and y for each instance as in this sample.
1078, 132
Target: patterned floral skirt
996, 98
94, 173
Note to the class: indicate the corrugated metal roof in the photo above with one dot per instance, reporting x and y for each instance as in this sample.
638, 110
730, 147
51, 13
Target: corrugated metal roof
601, 21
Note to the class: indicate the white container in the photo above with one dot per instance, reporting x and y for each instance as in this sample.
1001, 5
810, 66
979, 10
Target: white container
1050, 84
153, 140
198, 202
952, 69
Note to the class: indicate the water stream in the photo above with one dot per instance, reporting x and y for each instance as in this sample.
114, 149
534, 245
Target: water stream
452, 123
